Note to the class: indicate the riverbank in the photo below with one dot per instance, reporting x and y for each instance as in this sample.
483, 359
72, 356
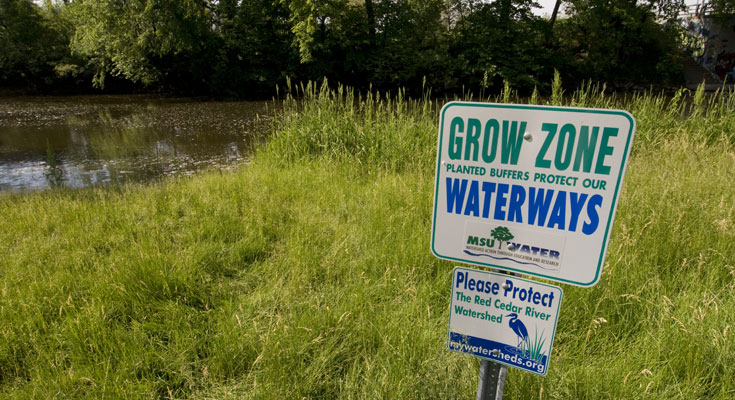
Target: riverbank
307, 274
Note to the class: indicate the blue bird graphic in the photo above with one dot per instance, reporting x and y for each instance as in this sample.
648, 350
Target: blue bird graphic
519, 328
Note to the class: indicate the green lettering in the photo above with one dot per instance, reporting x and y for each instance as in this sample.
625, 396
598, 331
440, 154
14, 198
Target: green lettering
605, 150
512, 141
455, 143
586, 148
550, 129
473, 139
563, 163
494, 126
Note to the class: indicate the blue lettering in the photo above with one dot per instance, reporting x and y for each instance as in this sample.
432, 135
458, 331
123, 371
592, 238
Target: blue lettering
591, 227
488, 188
462, 277
538, 205
576, 201
473, 200
558, 212
508, 287
517, 198
455, 194
500, 201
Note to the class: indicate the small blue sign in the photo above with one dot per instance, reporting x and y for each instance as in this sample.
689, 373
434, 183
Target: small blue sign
503, 318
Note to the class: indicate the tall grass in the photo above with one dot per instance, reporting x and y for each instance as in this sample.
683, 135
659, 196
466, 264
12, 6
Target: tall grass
307, 274
390, 132
375, 130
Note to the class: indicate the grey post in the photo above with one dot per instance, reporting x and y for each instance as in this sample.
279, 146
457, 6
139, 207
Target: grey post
492, 375
492, 381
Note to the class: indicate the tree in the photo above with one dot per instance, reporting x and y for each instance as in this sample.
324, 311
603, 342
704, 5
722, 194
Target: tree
30, 46
721, 8
144, 41
412, 46
623, 41
501, 234
555, 12
383, 44
503, 41
256, 49
310, 20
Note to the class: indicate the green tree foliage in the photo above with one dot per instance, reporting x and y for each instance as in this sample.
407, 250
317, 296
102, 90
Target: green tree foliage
246, 47
623, 41
722, 8
30, 43
504, 41
255, 46
192, 46
146, 41
385, 44
412, 44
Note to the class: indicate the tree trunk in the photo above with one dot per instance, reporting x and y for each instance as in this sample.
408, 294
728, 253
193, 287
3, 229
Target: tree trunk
554, 13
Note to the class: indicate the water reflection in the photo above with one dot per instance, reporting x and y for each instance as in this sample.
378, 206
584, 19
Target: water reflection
91, 140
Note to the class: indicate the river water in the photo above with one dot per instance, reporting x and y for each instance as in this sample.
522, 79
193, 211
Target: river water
80, 141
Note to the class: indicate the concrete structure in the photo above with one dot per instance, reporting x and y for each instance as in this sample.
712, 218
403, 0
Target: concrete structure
710, 42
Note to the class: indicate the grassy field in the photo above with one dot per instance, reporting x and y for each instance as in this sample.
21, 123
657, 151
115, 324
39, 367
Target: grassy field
307, 274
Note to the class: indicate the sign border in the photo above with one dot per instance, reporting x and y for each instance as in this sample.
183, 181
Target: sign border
611, 218
556, 321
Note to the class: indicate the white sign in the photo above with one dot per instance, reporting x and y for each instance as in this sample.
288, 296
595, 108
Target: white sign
504, 319
530, 189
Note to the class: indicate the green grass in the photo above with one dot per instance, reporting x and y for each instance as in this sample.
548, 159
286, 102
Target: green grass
307, 274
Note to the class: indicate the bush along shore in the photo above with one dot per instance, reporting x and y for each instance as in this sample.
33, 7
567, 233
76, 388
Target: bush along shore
307, 273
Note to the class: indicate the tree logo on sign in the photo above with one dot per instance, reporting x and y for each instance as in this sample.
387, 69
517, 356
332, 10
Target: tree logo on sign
501, 234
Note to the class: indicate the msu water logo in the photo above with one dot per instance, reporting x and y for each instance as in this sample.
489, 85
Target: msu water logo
499, 245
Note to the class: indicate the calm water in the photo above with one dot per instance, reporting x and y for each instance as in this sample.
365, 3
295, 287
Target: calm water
94, 140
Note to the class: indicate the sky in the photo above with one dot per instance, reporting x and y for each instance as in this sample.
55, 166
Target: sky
547, 6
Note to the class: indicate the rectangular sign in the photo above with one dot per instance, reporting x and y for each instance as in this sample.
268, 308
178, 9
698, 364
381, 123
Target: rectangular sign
504, 319
530, 189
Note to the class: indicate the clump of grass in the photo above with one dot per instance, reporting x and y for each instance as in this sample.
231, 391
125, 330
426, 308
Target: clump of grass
375, 130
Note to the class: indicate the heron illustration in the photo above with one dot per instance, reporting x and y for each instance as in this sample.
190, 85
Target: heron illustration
518, 328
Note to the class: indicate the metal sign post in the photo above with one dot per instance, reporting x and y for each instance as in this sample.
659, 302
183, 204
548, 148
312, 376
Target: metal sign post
492, 375
492, 381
